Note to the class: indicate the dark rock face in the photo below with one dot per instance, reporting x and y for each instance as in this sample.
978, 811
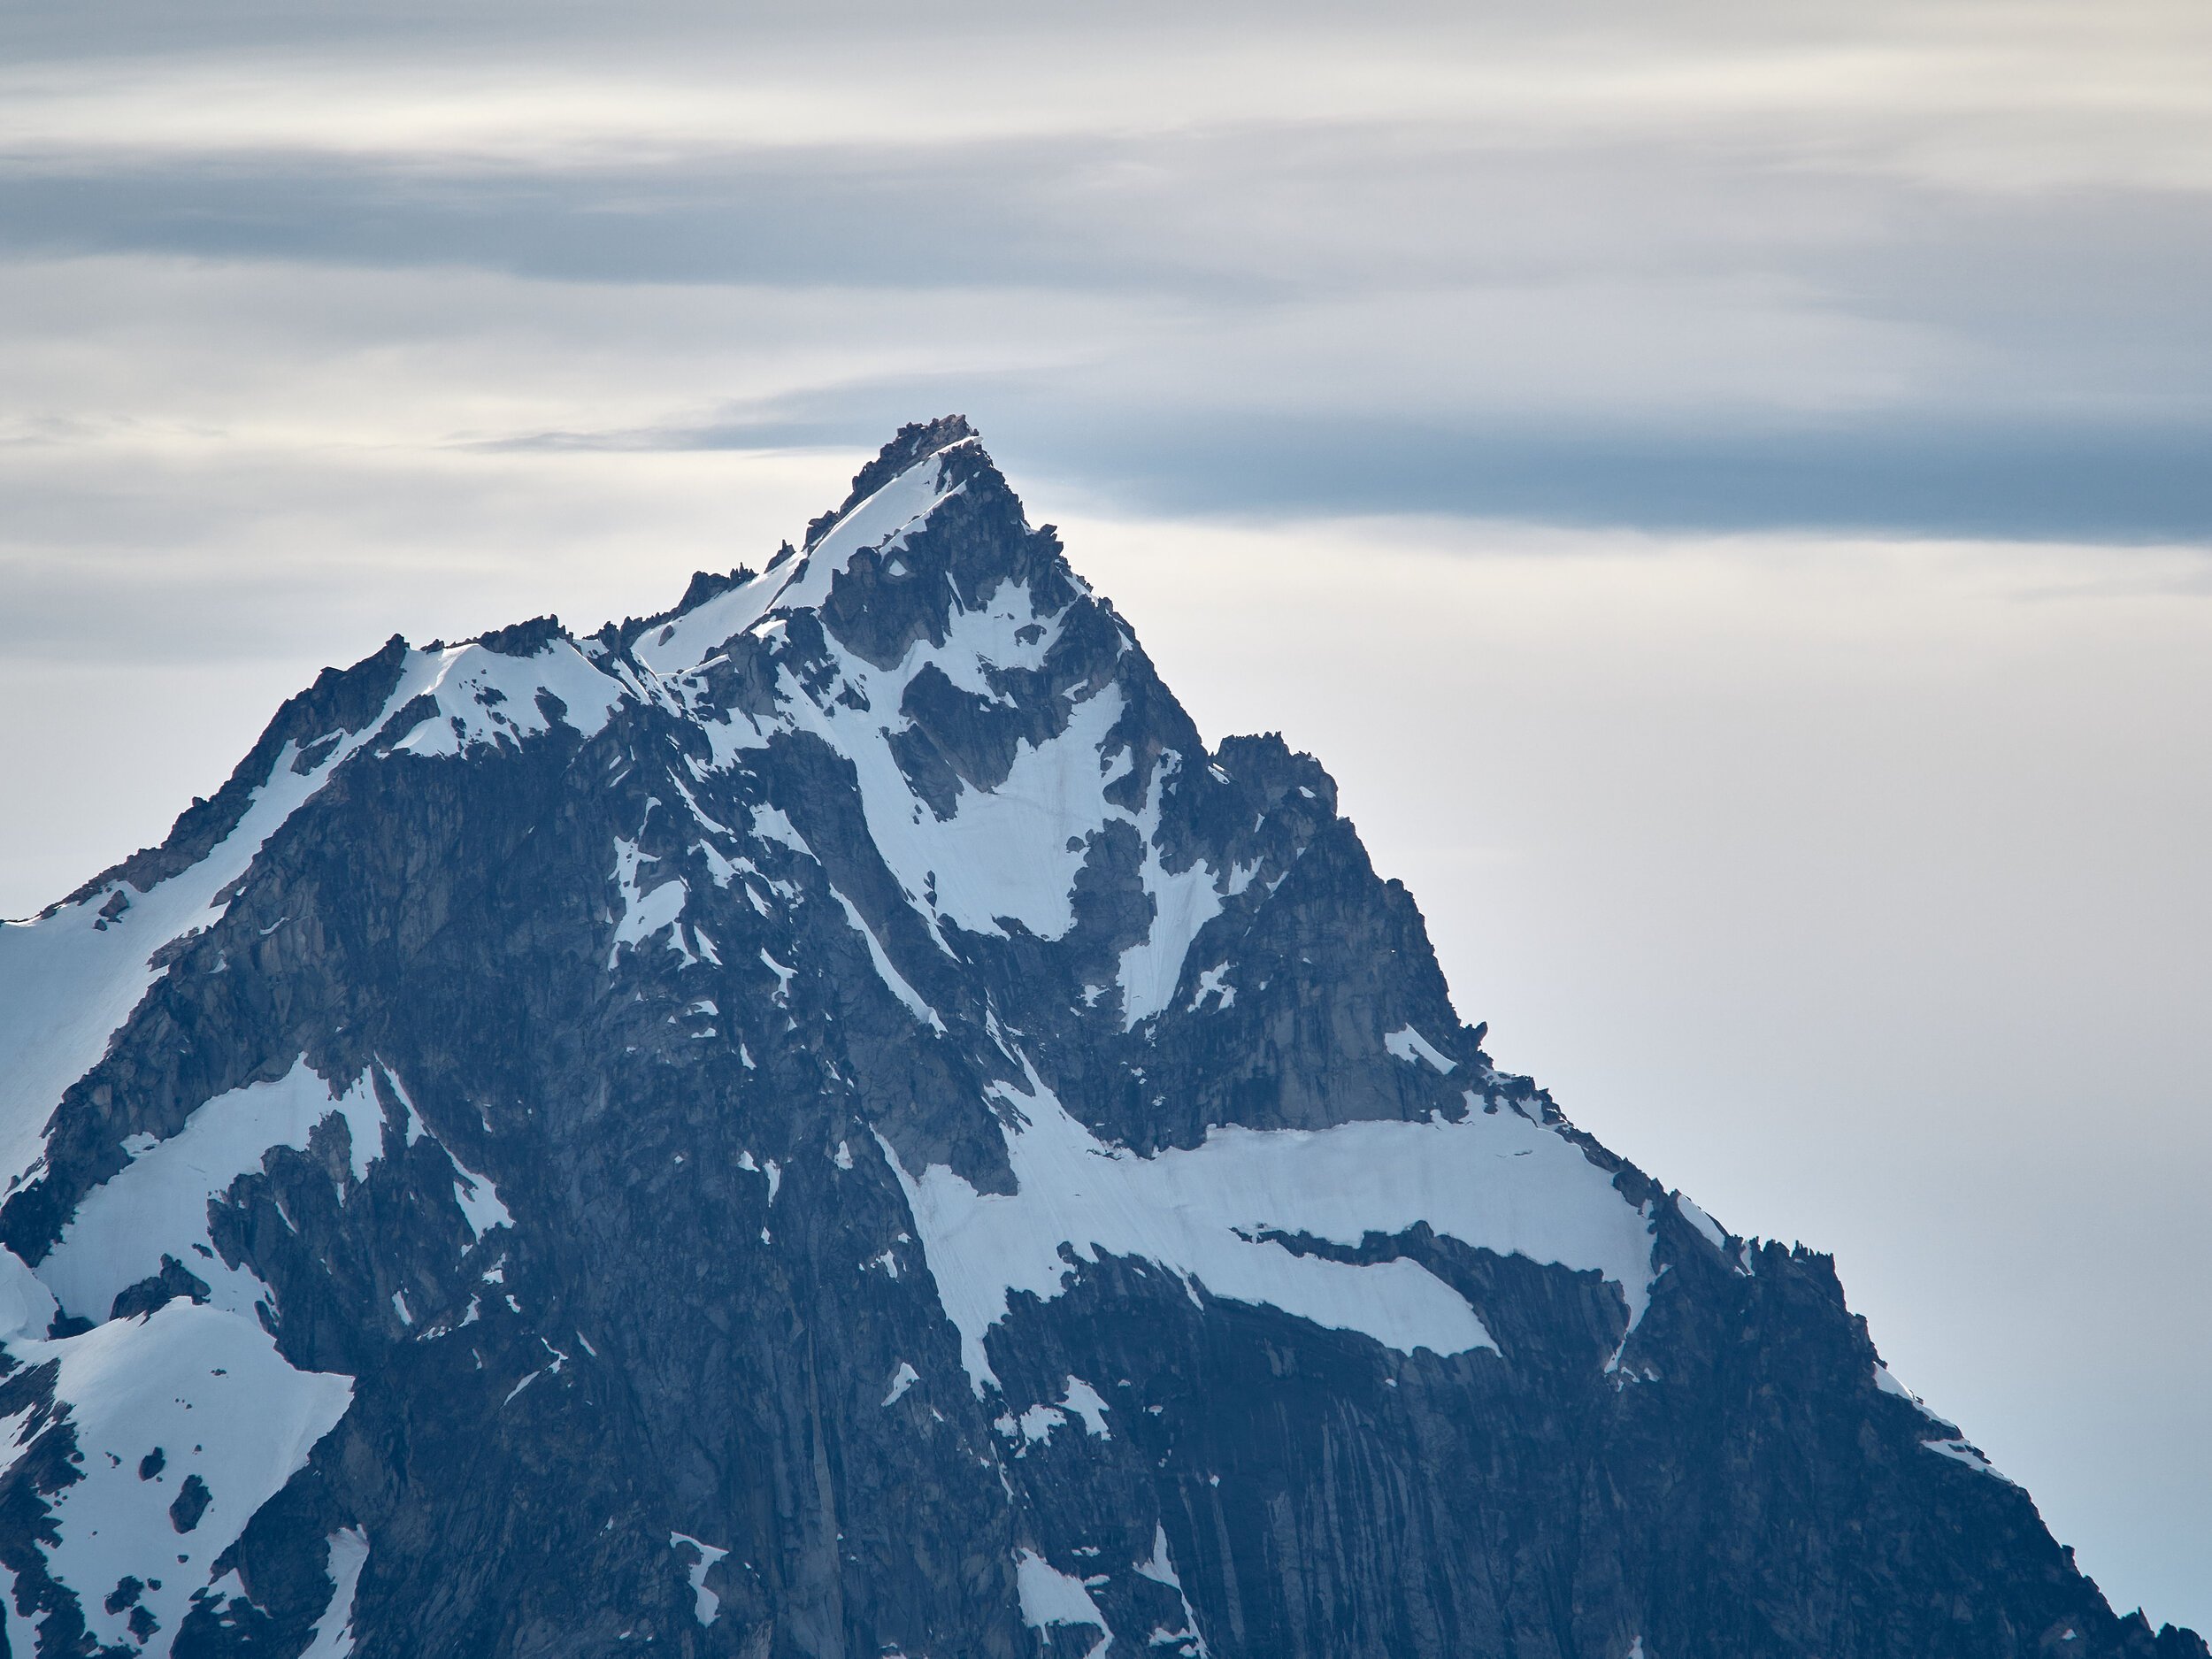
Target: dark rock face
191, 1503
826, 1121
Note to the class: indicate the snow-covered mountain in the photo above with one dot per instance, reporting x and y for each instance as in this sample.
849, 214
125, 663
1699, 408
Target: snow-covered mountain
827, 1121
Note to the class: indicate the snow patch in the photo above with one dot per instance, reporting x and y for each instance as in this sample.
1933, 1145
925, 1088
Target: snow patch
884, 972
1038, 1421
1214, 982
156, 1205
485, 697
26, 1307
881, 522
901, 1379
706, 1606
1970, 1456
1886, 1381
1160, 1569
1005, 853
480, 1202
12, 1632
1050, 1597
1212, 1214
1183, 902
207, 1386
784, 976
1409, 1045
1714, 1234
1086, 1403
645, 914
332, 1635
691, 638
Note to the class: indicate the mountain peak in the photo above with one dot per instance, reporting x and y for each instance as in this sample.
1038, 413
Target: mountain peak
835, 1103
912, 444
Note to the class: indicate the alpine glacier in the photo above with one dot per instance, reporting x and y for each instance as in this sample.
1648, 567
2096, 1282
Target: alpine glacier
827, 1121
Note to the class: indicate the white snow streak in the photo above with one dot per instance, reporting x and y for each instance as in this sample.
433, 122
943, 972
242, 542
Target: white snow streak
884, 972
1050, 1597
157, 1204
478, 1199
1961, 1452
1409, 1045
26, 1307
690, 638
1088, 1404
1498, 1183
1160, 1569
1886, 1381
1715, 1235
644, 914
706, 1606
332, 1635
1183, 902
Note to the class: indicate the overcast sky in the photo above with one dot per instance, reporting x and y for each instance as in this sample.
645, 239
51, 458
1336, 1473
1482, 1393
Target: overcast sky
1728, 490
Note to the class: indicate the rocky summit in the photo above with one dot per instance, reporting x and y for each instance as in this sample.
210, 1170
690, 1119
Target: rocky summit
827, 1121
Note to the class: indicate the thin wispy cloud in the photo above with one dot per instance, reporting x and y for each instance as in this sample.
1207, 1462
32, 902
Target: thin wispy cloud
1931, 270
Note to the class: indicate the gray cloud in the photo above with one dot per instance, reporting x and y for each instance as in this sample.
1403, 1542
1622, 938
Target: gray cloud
2014, 480
1667, 333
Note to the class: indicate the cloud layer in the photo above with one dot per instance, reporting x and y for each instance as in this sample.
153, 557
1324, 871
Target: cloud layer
1928, 269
